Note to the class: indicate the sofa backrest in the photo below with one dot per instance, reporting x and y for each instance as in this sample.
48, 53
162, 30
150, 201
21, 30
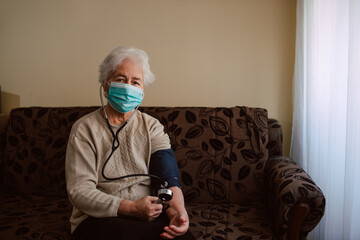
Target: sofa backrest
34, 156
221, 152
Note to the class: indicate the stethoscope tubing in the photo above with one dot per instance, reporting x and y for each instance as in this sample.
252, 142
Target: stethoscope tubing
116, 146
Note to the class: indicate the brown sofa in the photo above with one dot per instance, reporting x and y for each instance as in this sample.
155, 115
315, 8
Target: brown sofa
235, 181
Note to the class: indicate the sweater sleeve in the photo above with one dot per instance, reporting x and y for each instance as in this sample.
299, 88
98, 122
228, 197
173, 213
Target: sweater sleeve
159, 139
82, 178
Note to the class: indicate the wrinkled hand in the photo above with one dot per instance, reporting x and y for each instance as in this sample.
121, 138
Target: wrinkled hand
179, 224
146, 208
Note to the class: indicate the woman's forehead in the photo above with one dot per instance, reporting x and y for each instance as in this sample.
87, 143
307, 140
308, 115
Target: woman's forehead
129, 65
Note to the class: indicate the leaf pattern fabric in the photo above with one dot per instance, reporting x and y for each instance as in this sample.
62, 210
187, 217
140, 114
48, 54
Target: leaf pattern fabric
235, 182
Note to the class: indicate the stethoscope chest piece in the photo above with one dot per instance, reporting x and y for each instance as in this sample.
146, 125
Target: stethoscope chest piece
165, 194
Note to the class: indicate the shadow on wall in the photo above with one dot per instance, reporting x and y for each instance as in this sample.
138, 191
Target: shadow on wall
8, 101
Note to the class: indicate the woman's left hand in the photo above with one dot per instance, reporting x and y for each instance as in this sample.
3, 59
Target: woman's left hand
179, 224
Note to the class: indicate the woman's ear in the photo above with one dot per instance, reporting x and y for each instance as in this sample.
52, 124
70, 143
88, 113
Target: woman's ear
106, 87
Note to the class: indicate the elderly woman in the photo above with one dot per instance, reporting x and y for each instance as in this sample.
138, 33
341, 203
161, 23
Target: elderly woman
109, 154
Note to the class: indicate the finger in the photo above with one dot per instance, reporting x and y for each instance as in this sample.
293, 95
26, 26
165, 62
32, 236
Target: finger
153, 199
154, 216
157, 214
158, 210
158, 207
184, 219
180, 221
165, 235
178, 229
171, 232
152, 212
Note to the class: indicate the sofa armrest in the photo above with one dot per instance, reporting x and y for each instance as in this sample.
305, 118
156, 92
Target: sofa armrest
296, 203
4, 118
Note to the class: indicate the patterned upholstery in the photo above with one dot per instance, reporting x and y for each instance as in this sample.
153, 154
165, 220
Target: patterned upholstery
221, 152
235, 182
34, 217
288, 184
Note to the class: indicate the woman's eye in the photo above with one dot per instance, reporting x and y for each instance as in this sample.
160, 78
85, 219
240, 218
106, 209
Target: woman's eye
121, 80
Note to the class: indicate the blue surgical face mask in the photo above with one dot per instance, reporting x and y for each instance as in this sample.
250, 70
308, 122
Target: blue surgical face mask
124, 97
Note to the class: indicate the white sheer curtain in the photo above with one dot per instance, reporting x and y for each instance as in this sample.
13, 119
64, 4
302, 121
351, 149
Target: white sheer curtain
326, 125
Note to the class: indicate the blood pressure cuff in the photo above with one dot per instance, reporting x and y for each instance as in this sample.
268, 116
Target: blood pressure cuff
163, 164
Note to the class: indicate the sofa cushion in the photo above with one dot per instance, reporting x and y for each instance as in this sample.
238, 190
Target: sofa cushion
34, 217
229, 221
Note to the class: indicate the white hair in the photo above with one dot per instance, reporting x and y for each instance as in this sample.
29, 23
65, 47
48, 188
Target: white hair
118, 55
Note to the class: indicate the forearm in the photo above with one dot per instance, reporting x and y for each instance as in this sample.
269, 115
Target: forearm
126, 207
93, 202
177, 204
179, 219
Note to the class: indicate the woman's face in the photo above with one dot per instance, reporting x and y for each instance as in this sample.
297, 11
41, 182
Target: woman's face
127, 72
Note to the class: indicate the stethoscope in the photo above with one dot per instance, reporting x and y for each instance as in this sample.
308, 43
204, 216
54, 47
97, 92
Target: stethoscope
163, 193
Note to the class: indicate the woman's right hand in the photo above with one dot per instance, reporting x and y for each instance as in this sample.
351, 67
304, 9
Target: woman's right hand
145, 208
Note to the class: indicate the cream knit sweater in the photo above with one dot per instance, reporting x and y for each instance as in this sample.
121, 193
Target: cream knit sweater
90, 144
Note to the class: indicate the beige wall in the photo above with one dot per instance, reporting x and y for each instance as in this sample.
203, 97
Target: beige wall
203, 52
